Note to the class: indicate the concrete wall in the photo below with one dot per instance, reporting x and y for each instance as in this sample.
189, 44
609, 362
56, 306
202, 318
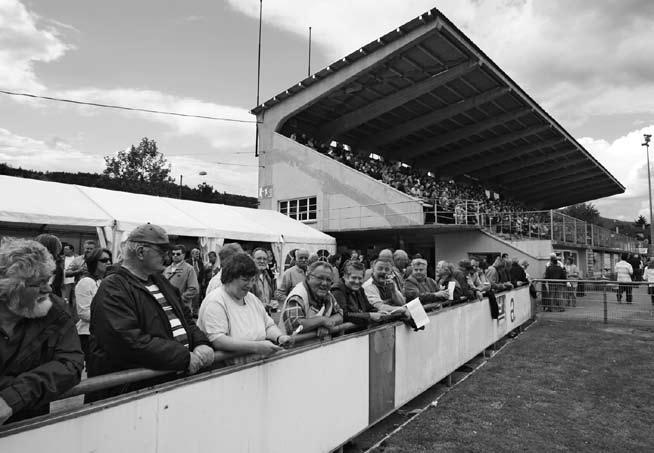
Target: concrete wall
346, 198
308, 400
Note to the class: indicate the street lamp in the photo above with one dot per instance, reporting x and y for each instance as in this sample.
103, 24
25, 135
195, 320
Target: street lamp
181, 178
650, 249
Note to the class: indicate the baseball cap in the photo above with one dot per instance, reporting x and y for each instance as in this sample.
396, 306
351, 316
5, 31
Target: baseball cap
150, 234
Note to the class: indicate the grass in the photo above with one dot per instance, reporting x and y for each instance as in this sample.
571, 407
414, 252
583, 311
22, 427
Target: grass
561, 386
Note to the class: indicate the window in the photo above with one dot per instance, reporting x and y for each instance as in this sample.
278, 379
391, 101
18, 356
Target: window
302, 209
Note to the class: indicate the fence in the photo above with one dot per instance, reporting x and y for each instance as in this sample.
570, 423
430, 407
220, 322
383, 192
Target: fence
596, 300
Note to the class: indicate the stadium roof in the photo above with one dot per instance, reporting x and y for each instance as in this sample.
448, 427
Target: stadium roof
426, 95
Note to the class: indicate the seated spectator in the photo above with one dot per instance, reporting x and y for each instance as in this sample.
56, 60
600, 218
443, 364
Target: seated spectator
382, 291
40, 356
310, 304
294, 275
224, 253
138, 318
419, 285
264, 282
97, 263
234, 319
352, 298
517, 274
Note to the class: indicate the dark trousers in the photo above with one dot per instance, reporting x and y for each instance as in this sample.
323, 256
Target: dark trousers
624, 288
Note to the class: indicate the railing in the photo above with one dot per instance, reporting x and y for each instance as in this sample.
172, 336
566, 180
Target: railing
596, 300
557, 227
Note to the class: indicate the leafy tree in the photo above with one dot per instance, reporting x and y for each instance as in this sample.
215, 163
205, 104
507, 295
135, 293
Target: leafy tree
143, 164
641, 222
583, 211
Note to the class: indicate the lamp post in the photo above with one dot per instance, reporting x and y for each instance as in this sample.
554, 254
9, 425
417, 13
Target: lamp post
181, 178
650, 249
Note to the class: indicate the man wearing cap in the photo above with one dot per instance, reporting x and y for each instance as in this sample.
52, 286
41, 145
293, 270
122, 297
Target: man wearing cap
138, 319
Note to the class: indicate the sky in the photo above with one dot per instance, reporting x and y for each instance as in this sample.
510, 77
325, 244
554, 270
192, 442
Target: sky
589, 64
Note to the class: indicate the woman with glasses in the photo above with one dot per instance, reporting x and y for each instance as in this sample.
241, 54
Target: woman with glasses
97, 263
234, 319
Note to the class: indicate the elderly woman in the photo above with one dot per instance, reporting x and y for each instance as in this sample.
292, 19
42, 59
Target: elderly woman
234, 319
97, 263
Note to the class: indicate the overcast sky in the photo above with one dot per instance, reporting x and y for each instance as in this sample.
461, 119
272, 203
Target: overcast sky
589, 64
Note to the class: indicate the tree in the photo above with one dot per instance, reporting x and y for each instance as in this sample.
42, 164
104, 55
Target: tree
583, 211
142, 164
641, 222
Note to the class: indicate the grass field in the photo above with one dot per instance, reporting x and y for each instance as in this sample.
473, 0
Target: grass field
559, 386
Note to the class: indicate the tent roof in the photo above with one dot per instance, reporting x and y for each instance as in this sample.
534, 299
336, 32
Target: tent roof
426, 95
54, 203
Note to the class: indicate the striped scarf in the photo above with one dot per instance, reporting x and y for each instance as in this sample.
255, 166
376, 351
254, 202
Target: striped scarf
179, 332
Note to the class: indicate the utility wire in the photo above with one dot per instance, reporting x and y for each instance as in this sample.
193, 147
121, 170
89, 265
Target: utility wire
121, 107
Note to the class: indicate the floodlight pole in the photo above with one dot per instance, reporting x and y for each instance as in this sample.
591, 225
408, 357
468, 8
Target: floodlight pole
309, 68
256, 136
650, 248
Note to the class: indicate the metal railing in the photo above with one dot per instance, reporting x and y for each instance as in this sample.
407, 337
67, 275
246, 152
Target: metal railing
596, 300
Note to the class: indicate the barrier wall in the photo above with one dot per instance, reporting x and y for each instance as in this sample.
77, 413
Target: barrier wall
310, 399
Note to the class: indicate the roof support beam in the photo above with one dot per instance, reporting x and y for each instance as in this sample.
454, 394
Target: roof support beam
514, 156
457, 134
374, 109
414, 125
488, 144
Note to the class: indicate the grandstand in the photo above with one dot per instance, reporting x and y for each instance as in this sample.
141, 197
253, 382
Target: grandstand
425, 100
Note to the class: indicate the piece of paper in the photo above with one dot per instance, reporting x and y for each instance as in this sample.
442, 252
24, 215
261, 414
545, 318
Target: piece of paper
450, 290
417, 313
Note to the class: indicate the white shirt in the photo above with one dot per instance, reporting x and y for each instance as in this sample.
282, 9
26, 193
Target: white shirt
624, 271
68, 260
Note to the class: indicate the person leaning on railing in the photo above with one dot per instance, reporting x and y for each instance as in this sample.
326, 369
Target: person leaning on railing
421, 286
138, 318
381, 289
311, 305
40, 353
234, 319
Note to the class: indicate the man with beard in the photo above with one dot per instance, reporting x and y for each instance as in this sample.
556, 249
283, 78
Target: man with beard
40, 352
310, 304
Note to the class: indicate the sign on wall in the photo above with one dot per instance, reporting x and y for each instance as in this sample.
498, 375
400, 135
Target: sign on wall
501, 312
266, 192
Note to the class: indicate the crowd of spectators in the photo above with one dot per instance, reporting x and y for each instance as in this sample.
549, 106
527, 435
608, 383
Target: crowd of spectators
142, 313
451, 202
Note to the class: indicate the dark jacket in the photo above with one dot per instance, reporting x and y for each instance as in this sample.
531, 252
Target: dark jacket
355, 304
49, 362
425, 290
517, 274
555, 272
129, 329
466, 291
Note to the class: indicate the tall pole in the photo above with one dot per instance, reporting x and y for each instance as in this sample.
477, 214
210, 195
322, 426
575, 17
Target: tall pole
256, 137
309, 69
181, 178
650, 249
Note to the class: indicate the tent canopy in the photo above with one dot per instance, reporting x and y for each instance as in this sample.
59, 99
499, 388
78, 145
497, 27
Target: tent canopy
65, 204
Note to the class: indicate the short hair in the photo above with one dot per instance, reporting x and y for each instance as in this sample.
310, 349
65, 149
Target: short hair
418, 261
22, 260
504, 255
381, 260
524, 263
312, 259
483, 265
388, 252
399, 253
352, 265
212, 253
51, 243
90, 241
179, 247
93, 258
259, 249
70, 246
624, 256
317, 264
228, 250
236, 266
332, 259
298, 251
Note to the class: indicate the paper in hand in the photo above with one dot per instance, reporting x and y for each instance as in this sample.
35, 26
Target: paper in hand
450, 290
417, 313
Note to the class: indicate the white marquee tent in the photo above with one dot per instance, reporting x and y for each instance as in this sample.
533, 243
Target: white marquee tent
114, 214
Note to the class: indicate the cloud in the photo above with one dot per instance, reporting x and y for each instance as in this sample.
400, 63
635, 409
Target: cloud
55, 154
22, 44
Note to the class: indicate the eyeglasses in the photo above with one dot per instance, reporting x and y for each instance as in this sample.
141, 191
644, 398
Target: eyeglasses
177, 253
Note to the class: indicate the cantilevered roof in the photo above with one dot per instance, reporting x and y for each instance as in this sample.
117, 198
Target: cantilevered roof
438, 102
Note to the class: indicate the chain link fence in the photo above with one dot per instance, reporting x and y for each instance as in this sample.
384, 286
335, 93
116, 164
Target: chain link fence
596, 300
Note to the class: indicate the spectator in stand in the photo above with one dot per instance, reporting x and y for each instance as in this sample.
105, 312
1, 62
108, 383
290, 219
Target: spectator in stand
182, 276
234, 319
624, 271
68, 286
53, 245
419, 285
97, 263
517, 274
382, 291
139, 320
351, 297
310, 304
40, 354
226, 251
294, 275
554, 291
264, 282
